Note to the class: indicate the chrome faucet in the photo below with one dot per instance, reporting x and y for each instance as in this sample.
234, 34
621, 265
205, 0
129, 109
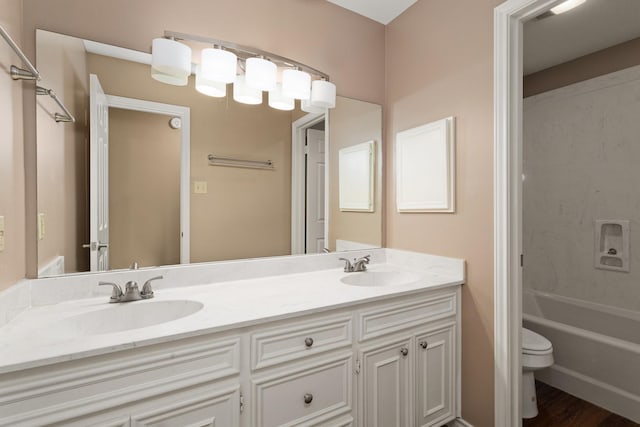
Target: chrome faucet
131, 291
358, 264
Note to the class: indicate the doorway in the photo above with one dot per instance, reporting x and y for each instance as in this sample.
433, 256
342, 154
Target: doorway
309, 163
100, 196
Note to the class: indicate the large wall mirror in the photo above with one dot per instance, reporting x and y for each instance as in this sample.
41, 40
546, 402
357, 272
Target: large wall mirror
157, 197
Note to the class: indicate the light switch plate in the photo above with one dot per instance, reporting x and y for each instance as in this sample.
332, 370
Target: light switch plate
1, 233
200, 187
41, 226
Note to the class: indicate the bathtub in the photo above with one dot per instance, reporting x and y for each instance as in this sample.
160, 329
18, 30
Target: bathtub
596, 349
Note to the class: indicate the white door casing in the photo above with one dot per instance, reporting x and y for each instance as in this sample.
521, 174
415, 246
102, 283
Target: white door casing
98, 177
508, 36
315, 192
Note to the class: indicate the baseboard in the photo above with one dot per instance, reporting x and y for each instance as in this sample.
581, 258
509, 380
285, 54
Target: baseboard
594, 391
459, 422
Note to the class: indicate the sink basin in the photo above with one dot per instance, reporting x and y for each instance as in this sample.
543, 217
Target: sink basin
379, 278
127, 316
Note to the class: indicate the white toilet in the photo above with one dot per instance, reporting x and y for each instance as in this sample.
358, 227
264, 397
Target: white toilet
537, 353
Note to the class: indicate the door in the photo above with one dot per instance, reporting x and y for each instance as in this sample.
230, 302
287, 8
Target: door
434, 377
98, 177
385, 387
314, 227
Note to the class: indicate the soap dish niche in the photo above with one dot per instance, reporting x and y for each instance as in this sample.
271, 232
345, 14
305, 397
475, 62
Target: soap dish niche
612, 245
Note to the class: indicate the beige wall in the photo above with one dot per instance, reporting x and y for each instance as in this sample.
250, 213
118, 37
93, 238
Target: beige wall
440, 63
342, 44
62, 152
144, 189
353, 122
12, 202
599, 63
246, 212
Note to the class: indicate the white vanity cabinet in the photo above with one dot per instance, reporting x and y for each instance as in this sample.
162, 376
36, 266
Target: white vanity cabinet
408, 377
393, 361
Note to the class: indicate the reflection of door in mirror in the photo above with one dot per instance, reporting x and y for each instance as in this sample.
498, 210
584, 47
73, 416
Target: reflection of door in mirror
315, 194
99, 155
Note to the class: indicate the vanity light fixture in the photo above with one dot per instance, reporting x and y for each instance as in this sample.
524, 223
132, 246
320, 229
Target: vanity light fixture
217, 68
279, 101
323, 94
245, 94
261, 74
307, 107
251, 71
566, 6
170, 61
296, 84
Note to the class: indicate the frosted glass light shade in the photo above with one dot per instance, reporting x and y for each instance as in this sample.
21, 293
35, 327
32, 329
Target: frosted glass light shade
244, 94
261, 74
218, 65
323, 94
307, 107
170, 62
566, 6
209, 87
278, 101
296, 84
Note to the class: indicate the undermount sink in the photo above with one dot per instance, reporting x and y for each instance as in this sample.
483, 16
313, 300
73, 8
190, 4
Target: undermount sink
379, 278
127, 316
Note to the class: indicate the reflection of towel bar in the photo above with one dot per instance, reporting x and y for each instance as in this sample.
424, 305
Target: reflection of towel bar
240, 163
67, 116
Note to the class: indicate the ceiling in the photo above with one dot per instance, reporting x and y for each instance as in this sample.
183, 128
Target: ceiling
593, 26
382, 11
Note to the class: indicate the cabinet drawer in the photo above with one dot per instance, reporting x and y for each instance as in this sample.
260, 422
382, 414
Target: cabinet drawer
274, 346
378, 322
309, 395
209, 408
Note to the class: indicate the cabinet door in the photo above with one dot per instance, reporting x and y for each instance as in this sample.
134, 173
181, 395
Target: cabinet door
213, 408
435, 381
385, 385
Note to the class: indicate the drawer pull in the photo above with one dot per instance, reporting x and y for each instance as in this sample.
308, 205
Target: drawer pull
423, 344
308, 342
308, 397
404, 351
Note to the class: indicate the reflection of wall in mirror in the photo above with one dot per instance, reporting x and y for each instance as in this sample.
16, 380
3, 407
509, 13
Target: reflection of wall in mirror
350, 123
246, 212
144, 189
62, 153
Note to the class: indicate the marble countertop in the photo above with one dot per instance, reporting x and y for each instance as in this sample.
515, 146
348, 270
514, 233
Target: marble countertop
38, 337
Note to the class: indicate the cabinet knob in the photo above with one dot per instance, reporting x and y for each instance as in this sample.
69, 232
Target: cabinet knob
308, 342
404, 351
423, 344
308, 397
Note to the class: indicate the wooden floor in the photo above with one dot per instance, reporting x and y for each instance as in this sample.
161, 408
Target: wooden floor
557, 408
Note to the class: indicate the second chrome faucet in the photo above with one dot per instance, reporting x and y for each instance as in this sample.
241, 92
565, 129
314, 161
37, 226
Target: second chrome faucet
358, 264
131, 290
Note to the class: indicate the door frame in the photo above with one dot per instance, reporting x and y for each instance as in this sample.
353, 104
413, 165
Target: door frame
184, 113
298, 179
507, 86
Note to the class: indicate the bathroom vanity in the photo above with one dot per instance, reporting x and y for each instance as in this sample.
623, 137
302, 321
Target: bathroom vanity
317, 346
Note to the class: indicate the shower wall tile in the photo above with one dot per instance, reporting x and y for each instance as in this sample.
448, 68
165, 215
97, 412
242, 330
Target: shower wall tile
582, 163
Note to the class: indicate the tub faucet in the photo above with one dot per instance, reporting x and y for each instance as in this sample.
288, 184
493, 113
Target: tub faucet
131, 291
358, 264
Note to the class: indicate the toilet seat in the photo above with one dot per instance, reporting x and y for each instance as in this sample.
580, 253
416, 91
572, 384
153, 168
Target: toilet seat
533, 343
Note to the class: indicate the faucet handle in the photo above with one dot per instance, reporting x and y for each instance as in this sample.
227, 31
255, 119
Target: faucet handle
348, 266
116, 294
147, 292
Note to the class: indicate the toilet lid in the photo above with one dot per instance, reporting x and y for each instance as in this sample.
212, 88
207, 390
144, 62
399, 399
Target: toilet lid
534, 342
